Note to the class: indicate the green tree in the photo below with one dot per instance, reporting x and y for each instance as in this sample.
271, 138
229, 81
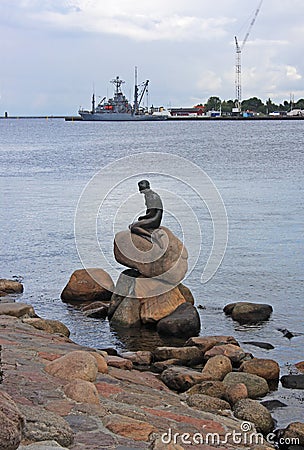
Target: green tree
271, 107
254, 104
299, 104
227, 106
213, 104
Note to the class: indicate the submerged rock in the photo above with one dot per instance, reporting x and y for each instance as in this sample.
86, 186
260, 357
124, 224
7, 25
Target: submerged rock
183, 322
88, 285
293, 381
248, 313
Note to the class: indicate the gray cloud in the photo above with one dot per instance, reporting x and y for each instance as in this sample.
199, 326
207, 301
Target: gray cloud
53, 51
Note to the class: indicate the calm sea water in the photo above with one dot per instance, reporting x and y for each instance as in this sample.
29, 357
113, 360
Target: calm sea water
256, 166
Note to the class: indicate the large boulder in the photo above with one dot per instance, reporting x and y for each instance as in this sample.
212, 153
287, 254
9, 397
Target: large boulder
10, 286
252, 411
256, 386
167, 264
153, 309
183, 322
217, 368
11, 423
248, 313
265, 368
82, 392
78, 364
88, 285
127, 314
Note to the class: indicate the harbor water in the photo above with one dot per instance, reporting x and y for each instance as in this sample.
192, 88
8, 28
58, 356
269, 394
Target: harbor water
256, 166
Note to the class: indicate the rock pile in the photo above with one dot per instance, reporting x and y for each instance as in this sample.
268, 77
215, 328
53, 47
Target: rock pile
150, 292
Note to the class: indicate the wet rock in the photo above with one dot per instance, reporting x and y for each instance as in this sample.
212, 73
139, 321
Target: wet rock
120, 363
124, 288
48, 325
78, 364
207, 403
127, 314
272, 405
183, 322
205, 343
180, 378
10, 286
137, 430
42, 425
88, 285
170, 265
235, 353
100, 312
212, 388
286, 333
82, 391
141, 357
11, 423
265, 368
248, 313
186, 293
264, 345
102, 365
252, 411
217, 368
300, 366
156, 308
295, 430
17, 309
293, 381
236, 392
256, 386
187, 355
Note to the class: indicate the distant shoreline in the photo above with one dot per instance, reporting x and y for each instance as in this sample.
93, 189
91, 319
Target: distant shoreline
172, 118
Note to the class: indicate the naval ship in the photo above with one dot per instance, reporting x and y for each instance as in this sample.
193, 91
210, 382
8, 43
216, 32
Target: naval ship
119, 108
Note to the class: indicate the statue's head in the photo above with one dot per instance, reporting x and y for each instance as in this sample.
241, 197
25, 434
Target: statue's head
143, 184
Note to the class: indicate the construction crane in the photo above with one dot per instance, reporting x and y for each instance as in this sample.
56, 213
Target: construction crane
238, 65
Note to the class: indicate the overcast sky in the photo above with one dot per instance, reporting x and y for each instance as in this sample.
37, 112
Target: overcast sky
54, 51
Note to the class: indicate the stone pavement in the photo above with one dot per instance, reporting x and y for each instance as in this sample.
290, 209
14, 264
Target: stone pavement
135, 409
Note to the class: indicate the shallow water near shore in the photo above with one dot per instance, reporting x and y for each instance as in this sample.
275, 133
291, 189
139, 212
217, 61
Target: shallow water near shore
258, 170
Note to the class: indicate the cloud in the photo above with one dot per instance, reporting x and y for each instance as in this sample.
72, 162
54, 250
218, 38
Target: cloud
292, 73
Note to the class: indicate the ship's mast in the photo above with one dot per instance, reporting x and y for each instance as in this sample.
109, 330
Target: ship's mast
117, 83
135, 92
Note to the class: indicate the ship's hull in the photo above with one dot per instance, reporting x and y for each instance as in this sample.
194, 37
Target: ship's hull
119, 117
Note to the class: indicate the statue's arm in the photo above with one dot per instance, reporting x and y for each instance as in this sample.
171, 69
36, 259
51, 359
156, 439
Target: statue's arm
149, 214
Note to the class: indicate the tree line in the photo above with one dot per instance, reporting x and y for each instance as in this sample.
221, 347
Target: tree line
252, 104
